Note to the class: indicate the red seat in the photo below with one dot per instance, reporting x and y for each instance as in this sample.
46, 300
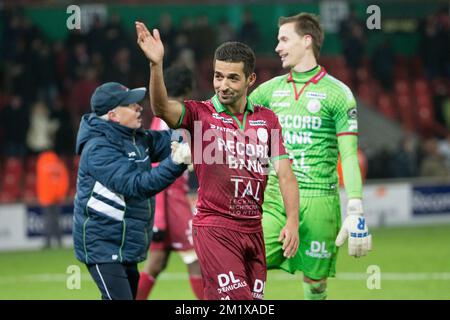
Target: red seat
402, 87
417, 67
406, 112
366, 94
13, 164
344, 75
30, 163
425, 107
400, 72
30, 192
386, 107
425, 113
331, 63
11, 182
421, 87
263, 75
362, 74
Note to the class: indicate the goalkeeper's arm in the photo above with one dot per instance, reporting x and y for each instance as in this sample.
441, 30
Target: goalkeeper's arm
348, 149
354, 227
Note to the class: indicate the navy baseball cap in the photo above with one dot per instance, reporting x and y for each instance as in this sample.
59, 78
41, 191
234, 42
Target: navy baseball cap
112, 94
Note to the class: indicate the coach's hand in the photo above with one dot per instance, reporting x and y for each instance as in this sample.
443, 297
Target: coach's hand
150, 44
290, 239
355, 228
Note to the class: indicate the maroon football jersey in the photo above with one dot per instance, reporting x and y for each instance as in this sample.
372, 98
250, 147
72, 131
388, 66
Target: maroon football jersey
231, 154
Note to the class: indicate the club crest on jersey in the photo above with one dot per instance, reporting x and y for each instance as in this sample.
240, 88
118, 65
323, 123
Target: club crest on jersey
262, 134
313, 106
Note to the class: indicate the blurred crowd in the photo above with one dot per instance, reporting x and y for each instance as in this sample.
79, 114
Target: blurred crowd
414, 157
45, 86
423, 153
434, 48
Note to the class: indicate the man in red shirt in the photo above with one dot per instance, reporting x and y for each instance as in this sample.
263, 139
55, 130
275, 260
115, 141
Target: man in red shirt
232, 142
172, 230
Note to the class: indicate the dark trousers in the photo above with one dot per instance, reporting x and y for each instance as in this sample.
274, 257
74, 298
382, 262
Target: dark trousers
116, 281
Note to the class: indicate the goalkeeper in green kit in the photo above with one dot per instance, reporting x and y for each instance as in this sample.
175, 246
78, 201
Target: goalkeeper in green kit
318, 116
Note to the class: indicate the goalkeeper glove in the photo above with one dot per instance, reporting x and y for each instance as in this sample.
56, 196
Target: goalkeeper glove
355, 228
181, 153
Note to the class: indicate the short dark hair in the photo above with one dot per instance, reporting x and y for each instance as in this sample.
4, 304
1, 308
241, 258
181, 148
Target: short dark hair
237, 52
307, 24
178, 80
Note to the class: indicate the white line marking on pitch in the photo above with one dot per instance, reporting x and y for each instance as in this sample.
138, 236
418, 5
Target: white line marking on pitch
177, 276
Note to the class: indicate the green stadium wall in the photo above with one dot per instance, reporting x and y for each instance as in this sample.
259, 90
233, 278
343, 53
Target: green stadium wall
399, 20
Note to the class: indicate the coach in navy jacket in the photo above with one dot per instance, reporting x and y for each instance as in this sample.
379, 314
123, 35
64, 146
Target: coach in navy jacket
114, 203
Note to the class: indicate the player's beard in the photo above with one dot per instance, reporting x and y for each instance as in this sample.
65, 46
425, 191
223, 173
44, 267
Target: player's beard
229, 99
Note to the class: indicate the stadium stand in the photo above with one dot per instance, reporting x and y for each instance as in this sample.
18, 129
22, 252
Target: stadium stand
413, 100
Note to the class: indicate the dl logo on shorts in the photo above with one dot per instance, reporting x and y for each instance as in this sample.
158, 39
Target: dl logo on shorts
258, 289
318, 250
228, 282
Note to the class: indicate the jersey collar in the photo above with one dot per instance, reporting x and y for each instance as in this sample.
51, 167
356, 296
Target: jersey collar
314, 75
221, 108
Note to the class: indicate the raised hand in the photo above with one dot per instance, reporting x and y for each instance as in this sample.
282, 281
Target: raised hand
150, 44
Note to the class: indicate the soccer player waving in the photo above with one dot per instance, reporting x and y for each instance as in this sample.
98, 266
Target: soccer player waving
232, 141
318, 115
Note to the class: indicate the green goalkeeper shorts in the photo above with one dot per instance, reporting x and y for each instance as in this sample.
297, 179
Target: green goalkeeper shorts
320, 221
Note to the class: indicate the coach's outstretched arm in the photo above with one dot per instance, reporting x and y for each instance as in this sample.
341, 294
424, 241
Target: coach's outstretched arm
168, 110
289, 235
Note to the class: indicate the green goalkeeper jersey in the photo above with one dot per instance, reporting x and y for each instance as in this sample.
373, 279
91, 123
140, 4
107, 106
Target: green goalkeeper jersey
313, 108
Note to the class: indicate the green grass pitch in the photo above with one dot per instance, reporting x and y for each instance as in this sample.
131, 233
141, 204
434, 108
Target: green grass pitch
414, 264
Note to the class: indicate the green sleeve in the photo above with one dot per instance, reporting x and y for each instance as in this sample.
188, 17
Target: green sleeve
344, 111
259, 96
348, 149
